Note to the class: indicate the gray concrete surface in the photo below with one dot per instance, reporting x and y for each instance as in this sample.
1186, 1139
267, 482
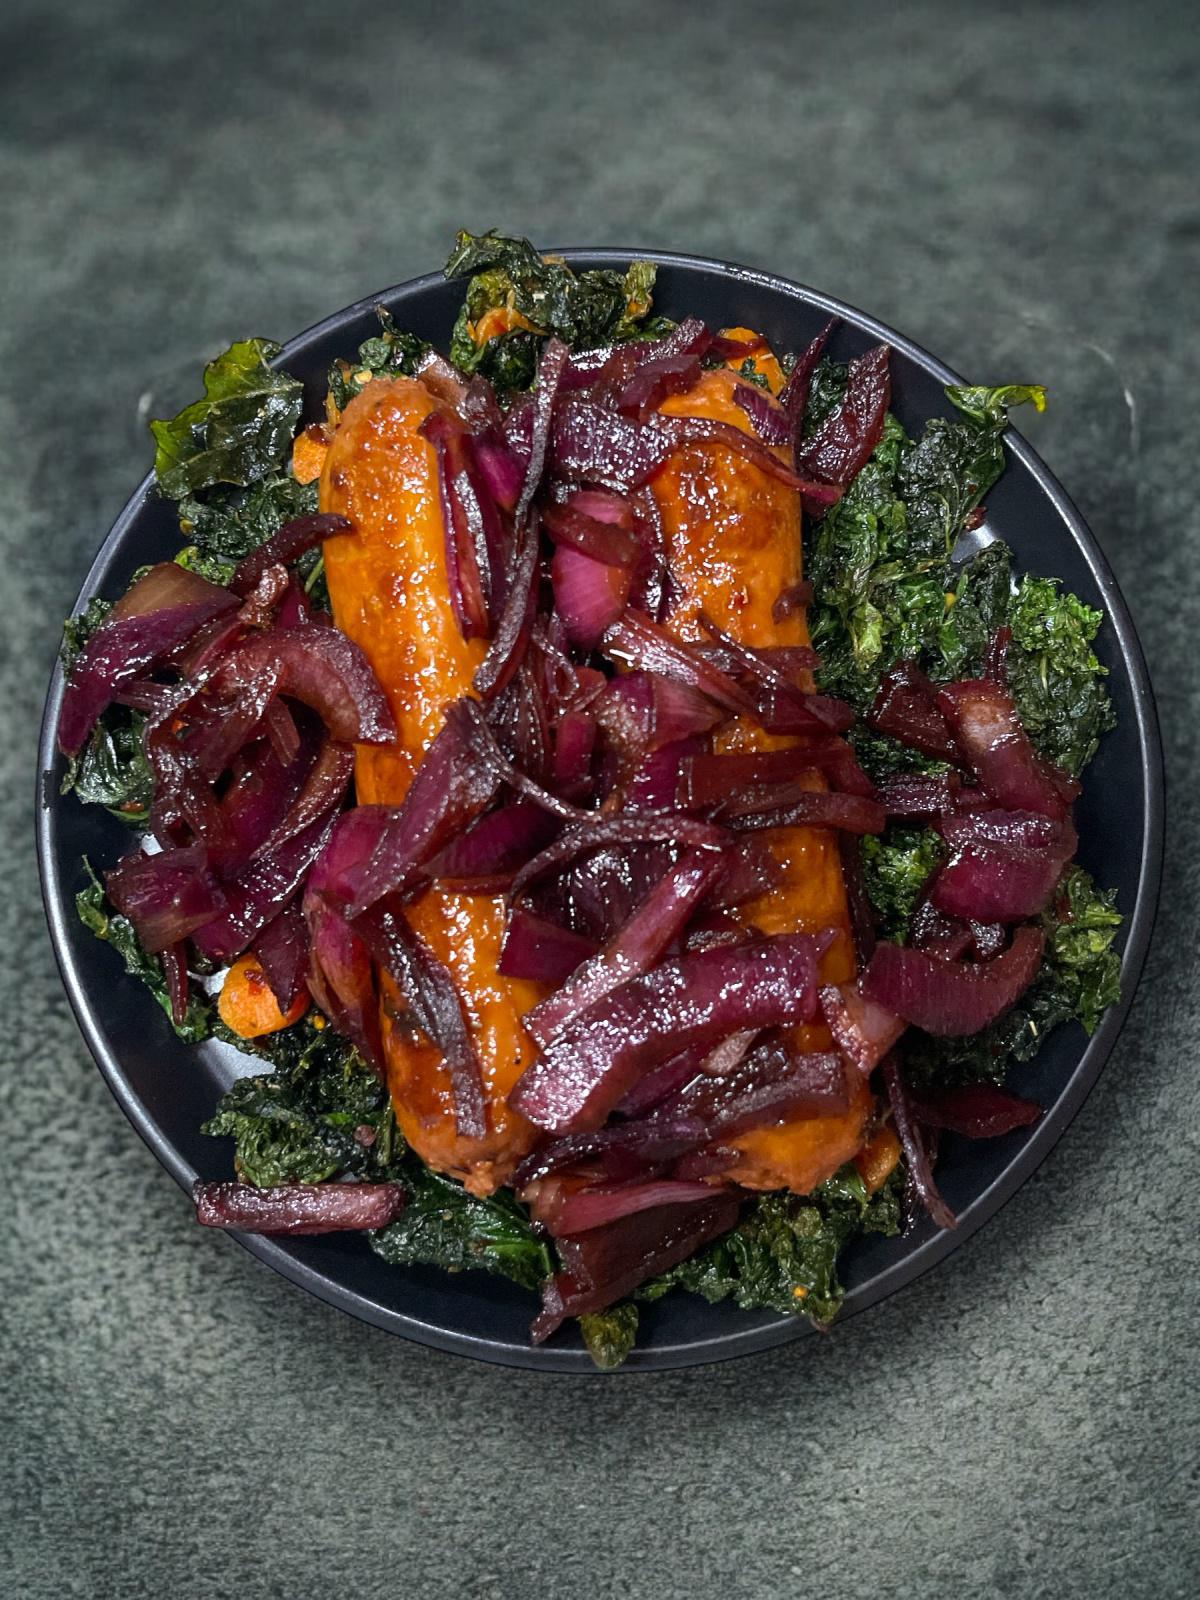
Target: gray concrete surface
1016, 187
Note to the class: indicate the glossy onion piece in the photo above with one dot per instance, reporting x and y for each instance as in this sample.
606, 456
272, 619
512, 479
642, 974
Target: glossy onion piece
259, 893
906, 709
293, 540
589, 595
952, 999
1005, 865
166, 896
844, 441
341, 973
774, 1083
621, 831
298, 1208
692, 1000
319, 667
543, 951
624, 1149
977, 1110
437, 1008
282, 951
584, 1209
638, 641
164, 609
604, 1264
658, 921
487, 856
920, 1166
863, 1031
452, 786
794, 398
984, 721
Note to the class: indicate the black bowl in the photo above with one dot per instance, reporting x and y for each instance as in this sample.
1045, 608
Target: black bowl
167, 1089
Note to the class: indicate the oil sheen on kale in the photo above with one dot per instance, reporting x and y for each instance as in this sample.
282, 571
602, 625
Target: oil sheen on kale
528, 296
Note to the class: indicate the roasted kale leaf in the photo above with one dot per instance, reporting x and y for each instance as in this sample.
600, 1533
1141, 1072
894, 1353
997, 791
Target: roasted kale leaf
530, 296
896, 866
228, 523
388, 354
113, 770
783, 1254
444, 1226
610, 1335
241, 430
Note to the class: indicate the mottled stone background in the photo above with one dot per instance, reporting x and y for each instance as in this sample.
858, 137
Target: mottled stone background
1015, 186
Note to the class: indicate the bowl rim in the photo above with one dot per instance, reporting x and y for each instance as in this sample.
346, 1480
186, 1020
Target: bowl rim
57, 899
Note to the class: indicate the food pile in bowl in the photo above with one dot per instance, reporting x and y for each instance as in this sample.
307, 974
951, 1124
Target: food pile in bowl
607, 777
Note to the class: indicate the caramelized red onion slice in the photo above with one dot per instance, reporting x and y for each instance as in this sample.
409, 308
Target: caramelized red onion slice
772, 1084
863, 1031
603, 539
692, 1000
794, 398
1005, 865
298, 1208
540, 950
621, 831
321, 668
655, 924
589, 595
631, 1147
293, 540
605, 1264
515, 626
260, 892
455, 782
916, 1151
817, 808
436, 1005
919, 794
976, 1110
282, 952
983, 719
341, 972
951, 999
485, 858
551, 365
166, 896
471, 520
906, 709
768, 417
844, 441
322, 791
162, 611
585, 1209
638, 641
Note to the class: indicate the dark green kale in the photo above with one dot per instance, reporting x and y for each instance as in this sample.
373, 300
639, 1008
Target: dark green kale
978, 604
825, 390
79, 629
444, 1226
1079, 980
610, 1335
585, 309
783, 1254
896, 866
1054, 675
113, 770
944, 475
390, 353
321, 1113
226, 524
239, 432
99, 917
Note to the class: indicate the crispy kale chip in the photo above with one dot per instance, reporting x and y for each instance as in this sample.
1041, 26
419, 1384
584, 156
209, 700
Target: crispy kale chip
112, 770
239, 432
516, 297
322, 1114
783, 1255
390, 353
896, 866
610, 1335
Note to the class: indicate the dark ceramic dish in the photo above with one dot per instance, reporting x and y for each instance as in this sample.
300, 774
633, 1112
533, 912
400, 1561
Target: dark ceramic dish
167, 1089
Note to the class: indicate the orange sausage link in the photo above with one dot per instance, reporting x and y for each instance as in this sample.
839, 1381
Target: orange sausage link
733, 538
390, 593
